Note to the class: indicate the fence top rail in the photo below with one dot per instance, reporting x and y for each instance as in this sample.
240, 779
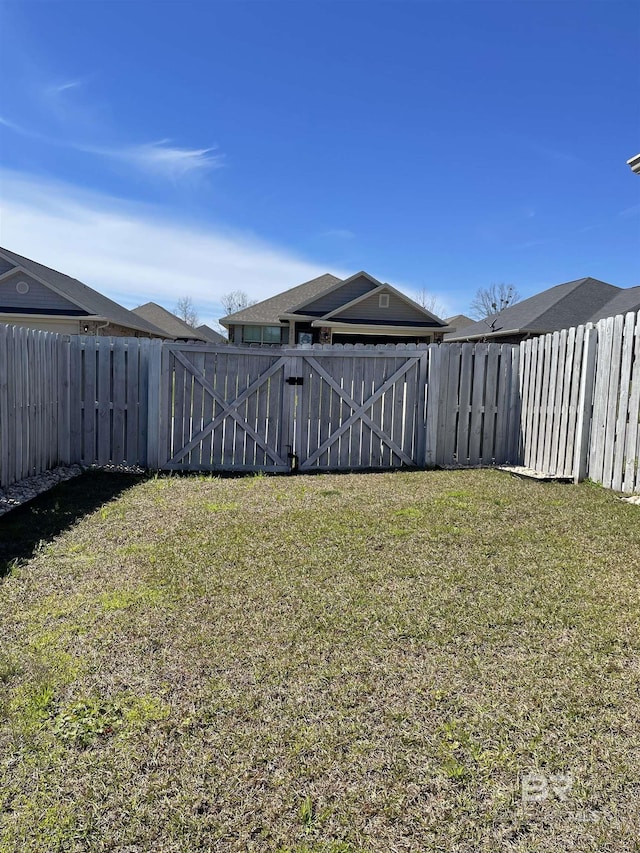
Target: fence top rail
364, 350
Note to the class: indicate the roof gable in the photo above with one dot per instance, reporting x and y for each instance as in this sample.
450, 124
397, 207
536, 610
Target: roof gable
22, 292
210, 334
339, 294
82, 295
169, 323
399, 309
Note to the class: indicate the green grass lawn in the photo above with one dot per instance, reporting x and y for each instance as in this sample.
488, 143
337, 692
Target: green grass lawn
327, 663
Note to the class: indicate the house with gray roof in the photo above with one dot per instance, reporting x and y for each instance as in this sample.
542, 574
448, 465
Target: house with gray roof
39, 297
628, 299
573, 303
174, 327
210, 335
328, 309
459, 321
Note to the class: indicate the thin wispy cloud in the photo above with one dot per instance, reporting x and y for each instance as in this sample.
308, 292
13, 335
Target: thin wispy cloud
58, 88
16, 128
134, 253
158, 159
164, 159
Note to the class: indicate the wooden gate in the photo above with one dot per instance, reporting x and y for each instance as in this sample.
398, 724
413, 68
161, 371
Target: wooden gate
360, 408
242, 409
223, 409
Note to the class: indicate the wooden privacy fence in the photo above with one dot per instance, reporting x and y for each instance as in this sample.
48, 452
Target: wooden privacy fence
615, 435
334, 408
34, 411
580, 402
566, 404
108, 399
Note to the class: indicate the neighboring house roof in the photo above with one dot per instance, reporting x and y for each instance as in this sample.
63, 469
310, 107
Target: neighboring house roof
628, 299
559, 307
269, 310
330, 300
459, 321
172, 326
93, 303
211, 335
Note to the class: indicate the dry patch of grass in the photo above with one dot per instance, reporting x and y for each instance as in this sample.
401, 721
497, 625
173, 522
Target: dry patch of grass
328, 663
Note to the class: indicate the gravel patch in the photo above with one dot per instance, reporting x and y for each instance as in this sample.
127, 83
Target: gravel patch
26, 490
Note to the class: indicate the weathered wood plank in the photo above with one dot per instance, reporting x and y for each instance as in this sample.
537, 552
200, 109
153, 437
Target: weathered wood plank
64, 400
477, 403
118, 394
552, 420
631, 467
599, 423
88, 394
574, 398
565, 361
6, 437
158, 373
623, 402
585, 396
612, 402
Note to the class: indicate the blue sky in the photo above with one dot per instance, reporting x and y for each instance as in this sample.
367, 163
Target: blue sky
164, 149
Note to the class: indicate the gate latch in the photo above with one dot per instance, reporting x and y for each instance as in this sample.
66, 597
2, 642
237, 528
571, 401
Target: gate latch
295, 380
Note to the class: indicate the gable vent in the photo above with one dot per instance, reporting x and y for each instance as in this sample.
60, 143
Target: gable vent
22, 287
383, 300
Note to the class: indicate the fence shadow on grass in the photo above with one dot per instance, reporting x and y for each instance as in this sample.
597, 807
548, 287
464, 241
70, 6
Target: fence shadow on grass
24, 529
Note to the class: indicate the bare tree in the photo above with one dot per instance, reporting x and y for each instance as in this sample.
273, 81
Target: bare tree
430, 302
185, 309
235, 300
493, 299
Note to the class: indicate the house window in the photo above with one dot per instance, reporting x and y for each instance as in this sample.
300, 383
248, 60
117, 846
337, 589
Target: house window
261, 334
383, 300
271, 334
252, 334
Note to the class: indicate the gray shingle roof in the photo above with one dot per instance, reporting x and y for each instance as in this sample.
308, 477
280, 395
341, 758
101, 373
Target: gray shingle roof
459, 321
269, 310
172, 326
628, 299
86, 297
211, 335
559, 307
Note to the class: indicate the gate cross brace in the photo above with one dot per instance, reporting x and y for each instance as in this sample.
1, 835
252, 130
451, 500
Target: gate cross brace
229, 409
358, 412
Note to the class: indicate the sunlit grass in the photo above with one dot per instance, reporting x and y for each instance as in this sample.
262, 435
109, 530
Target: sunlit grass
328, 663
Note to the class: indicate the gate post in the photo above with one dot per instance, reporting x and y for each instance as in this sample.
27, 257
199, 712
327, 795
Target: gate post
434, 354
153, 408
422, 379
